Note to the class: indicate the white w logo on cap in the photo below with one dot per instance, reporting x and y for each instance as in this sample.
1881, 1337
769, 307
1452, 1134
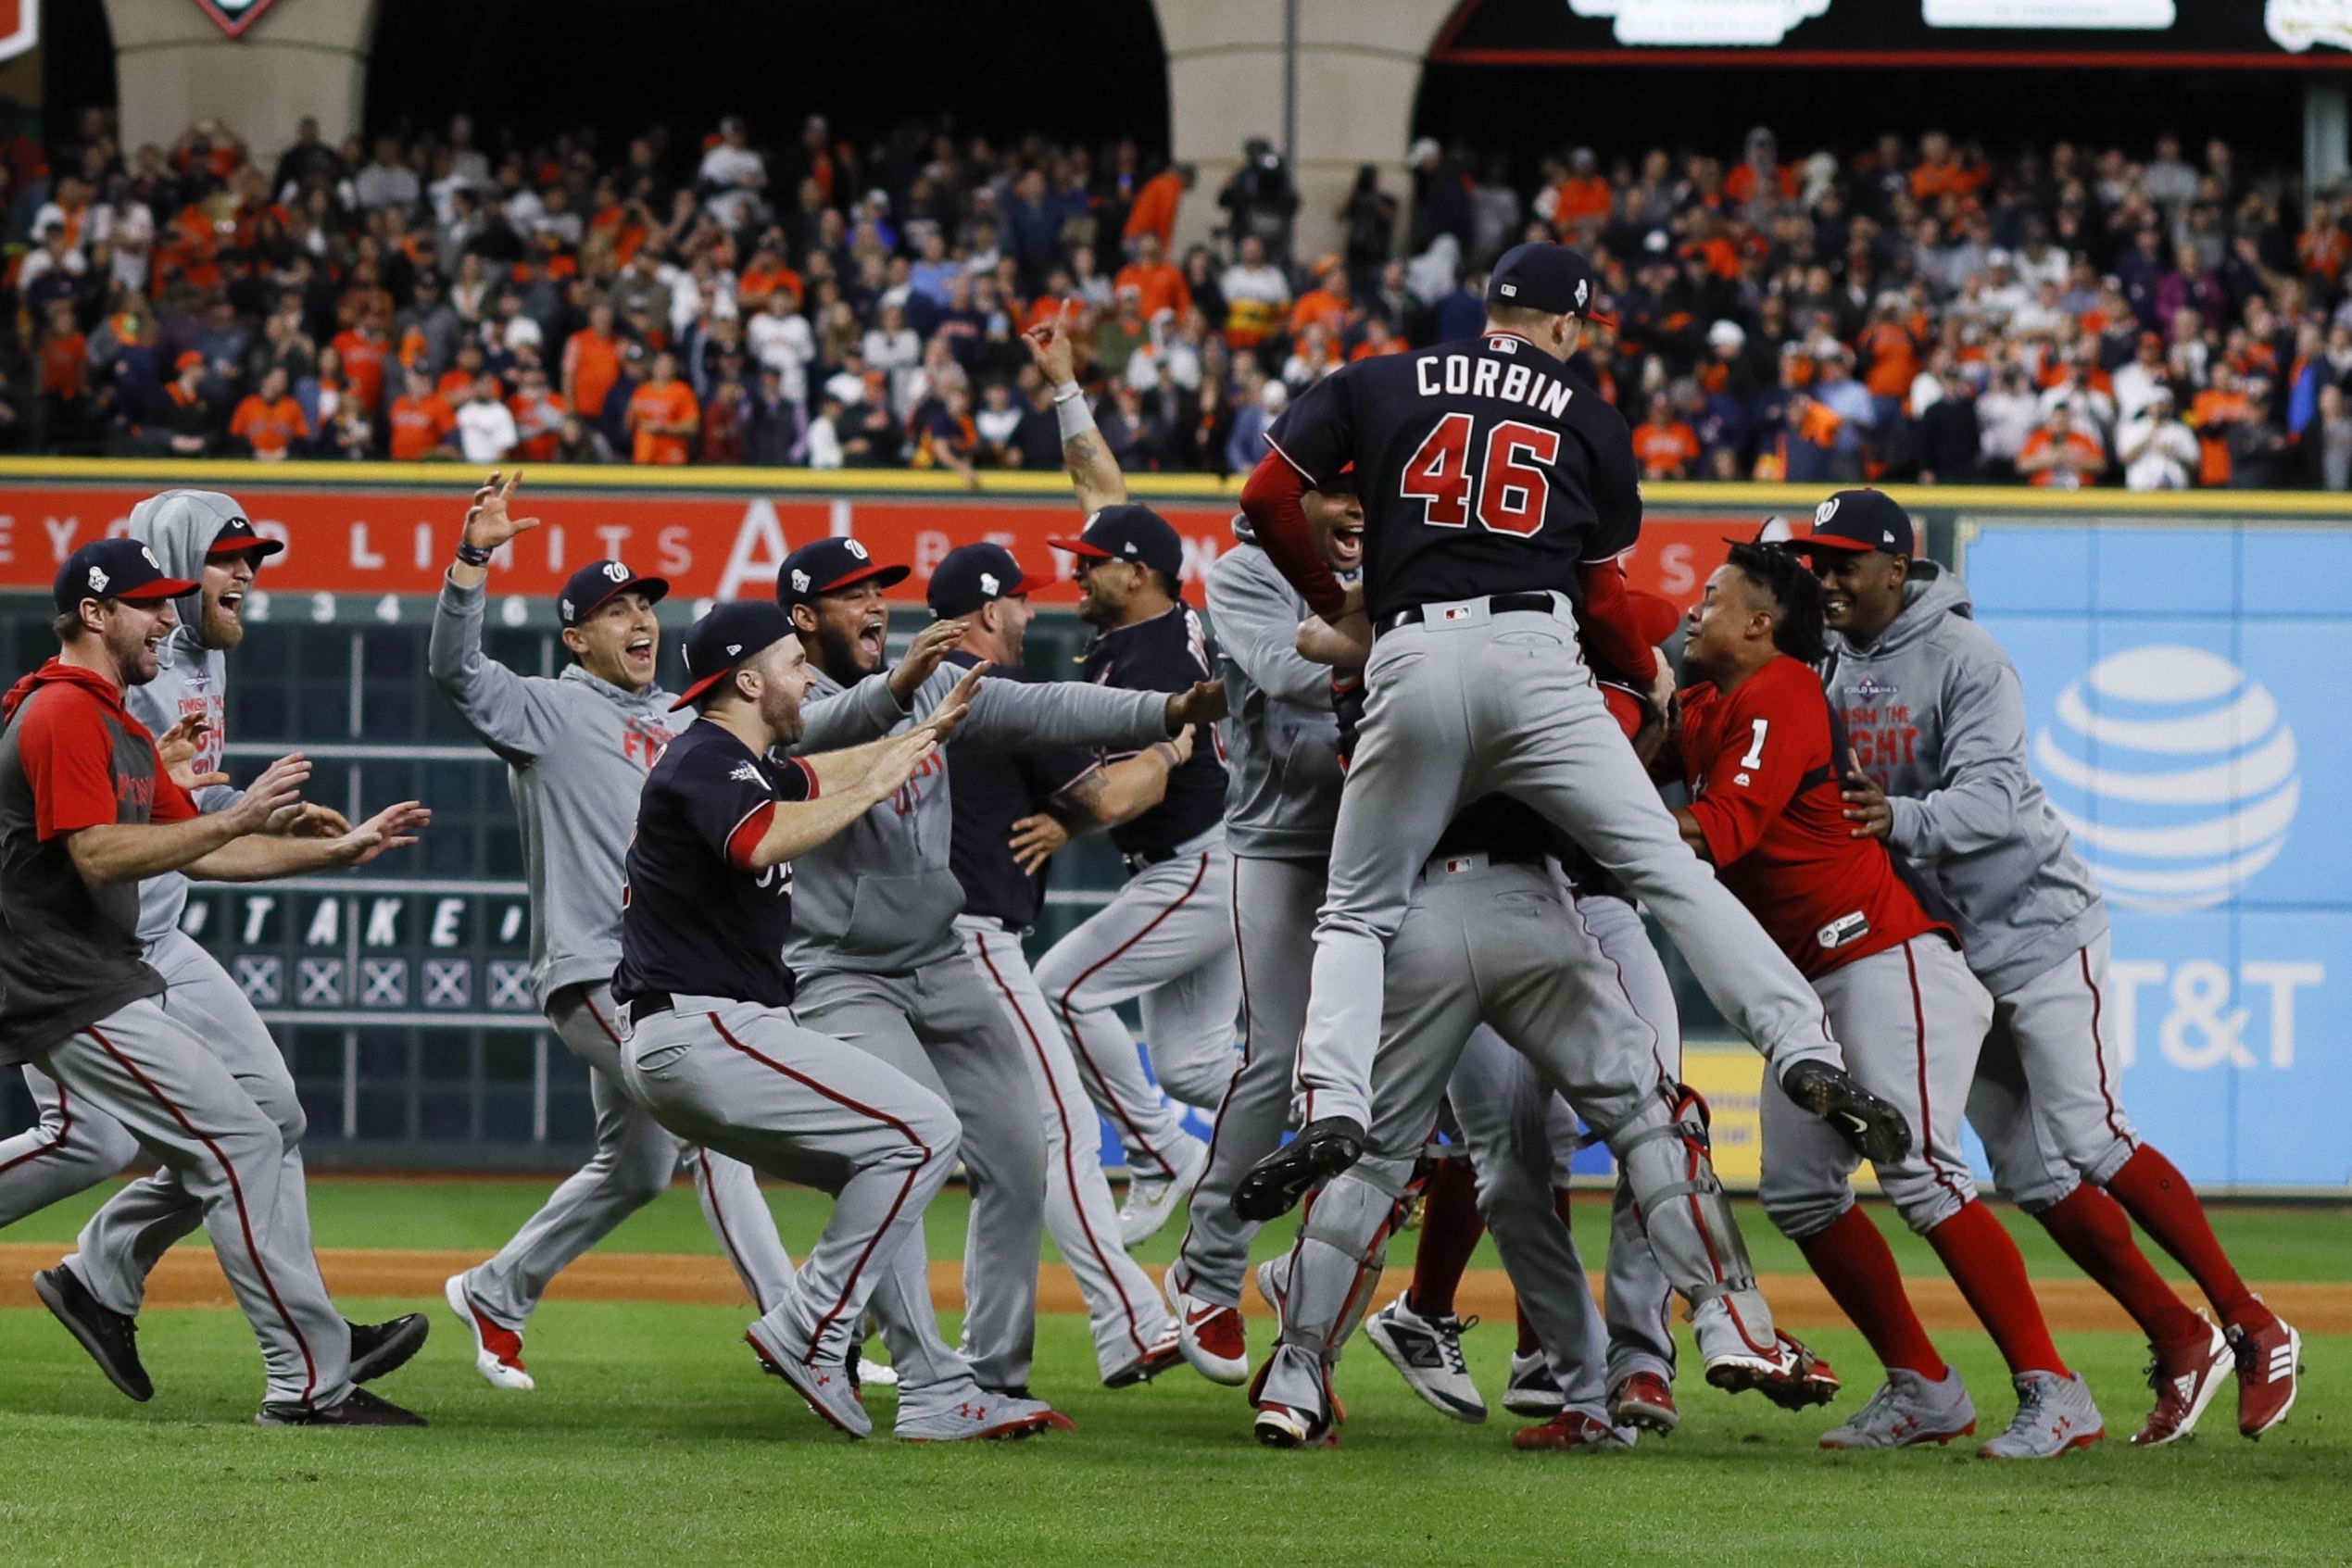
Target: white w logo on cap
1825, 511
616, 572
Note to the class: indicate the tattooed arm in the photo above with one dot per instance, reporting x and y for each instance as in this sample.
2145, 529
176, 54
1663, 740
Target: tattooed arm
1094, 473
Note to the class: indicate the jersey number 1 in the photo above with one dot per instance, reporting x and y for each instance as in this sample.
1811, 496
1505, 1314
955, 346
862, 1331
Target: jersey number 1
1511, 490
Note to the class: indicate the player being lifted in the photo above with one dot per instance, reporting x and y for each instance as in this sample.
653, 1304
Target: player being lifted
1498, 493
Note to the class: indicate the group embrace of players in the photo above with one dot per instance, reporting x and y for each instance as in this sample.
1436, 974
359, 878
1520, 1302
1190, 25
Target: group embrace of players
1399, 823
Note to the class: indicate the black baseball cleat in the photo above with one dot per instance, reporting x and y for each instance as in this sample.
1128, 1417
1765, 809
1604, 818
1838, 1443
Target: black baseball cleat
1876, 1129
1323, 1149
381, 1347
111, 1338
362, 1409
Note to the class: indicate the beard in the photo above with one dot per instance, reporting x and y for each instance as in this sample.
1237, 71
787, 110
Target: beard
220, 631
839, 656
780, 710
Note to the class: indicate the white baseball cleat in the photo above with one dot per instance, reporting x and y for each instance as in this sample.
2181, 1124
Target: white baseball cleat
1211, 1335
1426, 1352
497, 1350
2056, 1415
1151, 1199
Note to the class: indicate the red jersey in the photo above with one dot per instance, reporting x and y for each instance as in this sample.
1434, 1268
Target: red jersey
1763, 767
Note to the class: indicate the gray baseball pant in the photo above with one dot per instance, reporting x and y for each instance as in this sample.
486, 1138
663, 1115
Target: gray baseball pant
2048, 1095
1165, 942
1123, 1309
190, 1112
72, 1148
1499, 943
1273, 913
943, 1028
754, 1084
635, 1159
1912, 1018
1465, 704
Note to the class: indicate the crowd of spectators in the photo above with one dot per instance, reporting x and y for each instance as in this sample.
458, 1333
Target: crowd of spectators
2074, 316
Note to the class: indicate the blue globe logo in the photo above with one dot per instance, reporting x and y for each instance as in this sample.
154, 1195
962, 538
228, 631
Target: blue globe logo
2174, 772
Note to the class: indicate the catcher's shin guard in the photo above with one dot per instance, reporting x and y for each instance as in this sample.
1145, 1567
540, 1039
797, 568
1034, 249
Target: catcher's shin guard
1663, 1154
1335, 1265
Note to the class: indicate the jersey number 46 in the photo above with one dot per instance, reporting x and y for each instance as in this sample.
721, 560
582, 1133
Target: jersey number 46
1510, 488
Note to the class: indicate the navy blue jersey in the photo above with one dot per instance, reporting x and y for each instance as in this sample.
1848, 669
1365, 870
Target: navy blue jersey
988, 792
694, 918
1484, 469
1167, 653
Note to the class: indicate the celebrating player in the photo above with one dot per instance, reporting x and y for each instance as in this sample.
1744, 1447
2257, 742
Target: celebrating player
1937, 723
1760, 750
87, 813
202, 536
1498, 491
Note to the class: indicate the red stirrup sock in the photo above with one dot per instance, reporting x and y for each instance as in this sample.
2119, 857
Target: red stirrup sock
2157, 1196
2091, 1229
1450, 1232
1854, 1261
1985, 1264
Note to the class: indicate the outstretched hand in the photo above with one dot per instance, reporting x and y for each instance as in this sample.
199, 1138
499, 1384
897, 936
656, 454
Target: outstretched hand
280, 785
488, 524
1204, 704
922, 660
394, 827
176, 749
956, 706
1051, 350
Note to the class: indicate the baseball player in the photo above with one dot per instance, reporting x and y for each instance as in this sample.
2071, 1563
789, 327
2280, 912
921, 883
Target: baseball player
1008, 810
1165, 940
1937, 720
711, 1042
875, 946
203, 537
1498, 491
87, 812
1760, 750
1491, 938
577, 747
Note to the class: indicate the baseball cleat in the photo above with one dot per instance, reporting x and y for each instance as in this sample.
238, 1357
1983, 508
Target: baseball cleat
381, 1349
1212, 1339
111, 1338
1875, 1128
360, 1408
1790, 1375
1283, 1427
1322, 1149
1533, 1391
2270, 1359
1569, 1431
979, 1416
876, 1375
1151, 1199
2185, 1379
1162, 1353
826, 1385
1644, 1401
1426, 1352
2056, 1415
497, 1350
1907, 1411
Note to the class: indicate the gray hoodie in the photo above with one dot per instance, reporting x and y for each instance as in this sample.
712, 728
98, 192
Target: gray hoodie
880, 897
1282, 746
1935, 712
180, 526
576, 749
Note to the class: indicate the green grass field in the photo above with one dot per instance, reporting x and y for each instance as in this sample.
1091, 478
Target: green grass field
653, 1439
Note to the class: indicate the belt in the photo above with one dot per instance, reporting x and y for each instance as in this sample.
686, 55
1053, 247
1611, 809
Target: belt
1143, 858
648, 1004
1492, 857
1497, 604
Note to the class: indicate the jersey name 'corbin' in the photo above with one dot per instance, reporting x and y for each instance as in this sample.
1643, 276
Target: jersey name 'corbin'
1444, 375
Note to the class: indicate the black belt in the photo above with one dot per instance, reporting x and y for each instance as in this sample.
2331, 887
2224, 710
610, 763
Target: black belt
646, 1005
1494, 856
1143, 859
1497, 604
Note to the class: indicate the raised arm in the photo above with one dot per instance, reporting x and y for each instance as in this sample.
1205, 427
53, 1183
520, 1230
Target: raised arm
1094, 473
1021, 716
508, 711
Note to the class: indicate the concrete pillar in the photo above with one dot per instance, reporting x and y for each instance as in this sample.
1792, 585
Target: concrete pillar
2327, 133
1359, 72
173, 66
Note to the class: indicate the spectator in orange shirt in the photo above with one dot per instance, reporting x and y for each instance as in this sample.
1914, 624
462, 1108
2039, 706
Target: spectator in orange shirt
591, 361
1664, 446
1937, 173
1761, 172
2217, 410
423, 425
2060, 457
1378, 339
270, 420
1329, 306
1581, 199
538, 415
1154, 212
663, 415
1157, 281
363, 349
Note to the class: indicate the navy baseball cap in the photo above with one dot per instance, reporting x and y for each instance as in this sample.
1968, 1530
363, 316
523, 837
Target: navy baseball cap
116, 569
237, 536
732, 633
972, 575
1552, 278
589, 587
823, 565
1129, 532
1855, 520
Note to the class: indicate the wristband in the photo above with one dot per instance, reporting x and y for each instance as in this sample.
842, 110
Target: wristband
1073, 415
473, 555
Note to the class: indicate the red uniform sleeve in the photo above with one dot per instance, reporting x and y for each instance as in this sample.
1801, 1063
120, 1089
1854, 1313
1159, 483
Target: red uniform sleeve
1772, 735
67, 755
1272, 503
1612, 633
